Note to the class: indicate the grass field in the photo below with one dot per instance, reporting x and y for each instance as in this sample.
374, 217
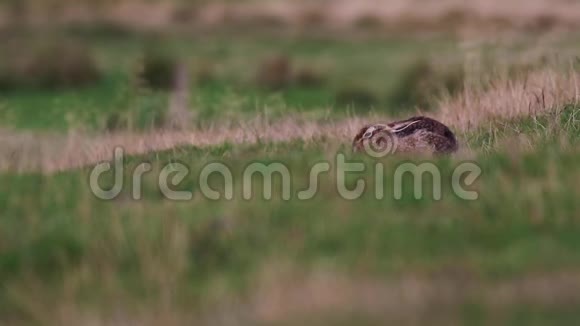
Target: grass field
227, 83
510, 257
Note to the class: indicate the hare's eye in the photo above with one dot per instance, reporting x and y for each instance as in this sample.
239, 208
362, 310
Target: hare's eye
369, 133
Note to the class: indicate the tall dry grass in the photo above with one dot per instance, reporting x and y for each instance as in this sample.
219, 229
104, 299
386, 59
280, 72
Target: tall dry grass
532, 94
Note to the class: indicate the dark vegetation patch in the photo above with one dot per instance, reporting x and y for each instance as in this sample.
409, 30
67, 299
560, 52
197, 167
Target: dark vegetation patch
359, 98
422, 83
50, 65
281, 72
156, 75
159, 69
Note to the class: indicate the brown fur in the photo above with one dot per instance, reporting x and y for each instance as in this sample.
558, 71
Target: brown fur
417, 134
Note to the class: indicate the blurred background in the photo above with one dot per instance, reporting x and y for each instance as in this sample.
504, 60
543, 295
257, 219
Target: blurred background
287, 81
241, 58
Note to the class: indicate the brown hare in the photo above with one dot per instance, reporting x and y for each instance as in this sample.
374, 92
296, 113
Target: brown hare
417, 135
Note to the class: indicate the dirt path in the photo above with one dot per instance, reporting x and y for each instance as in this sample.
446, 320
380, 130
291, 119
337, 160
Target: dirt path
27, 152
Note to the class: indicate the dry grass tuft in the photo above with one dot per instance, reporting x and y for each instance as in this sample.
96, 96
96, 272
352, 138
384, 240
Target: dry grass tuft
534, 93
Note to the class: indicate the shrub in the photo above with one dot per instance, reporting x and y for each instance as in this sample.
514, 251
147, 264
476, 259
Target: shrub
140, 106
275, 73
357, 97
313, 17
368, 21
279, 72
422, 83
307, 77
159, 70
47, 66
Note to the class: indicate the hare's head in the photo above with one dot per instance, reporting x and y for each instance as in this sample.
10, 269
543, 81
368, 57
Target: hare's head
371, 134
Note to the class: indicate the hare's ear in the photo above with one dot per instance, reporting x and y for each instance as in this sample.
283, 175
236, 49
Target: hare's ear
402, 126
372, 130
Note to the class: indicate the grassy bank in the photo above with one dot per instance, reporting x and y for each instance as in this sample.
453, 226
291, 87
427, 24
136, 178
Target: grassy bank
66, 255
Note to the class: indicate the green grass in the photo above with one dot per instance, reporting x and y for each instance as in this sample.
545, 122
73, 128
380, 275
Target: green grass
524, 223
560, 125
224, 71
65, 252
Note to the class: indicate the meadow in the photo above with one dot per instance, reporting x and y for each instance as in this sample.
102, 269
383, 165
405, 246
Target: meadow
66, 257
